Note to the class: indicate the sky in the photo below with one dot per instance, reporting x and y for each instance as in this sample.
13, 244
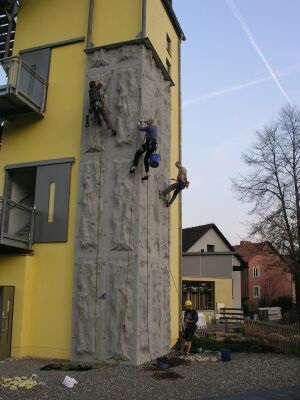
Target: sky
240, 65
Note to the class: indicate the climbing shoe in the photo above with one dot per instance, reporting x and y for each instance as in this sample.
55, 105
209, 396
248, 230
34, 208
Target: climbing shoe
132, 169
167, 203
114, 132
145, 178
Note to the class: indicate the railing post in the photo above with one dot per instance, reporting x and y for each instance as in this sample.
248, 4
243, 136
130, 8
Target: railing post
2, 219
31, 233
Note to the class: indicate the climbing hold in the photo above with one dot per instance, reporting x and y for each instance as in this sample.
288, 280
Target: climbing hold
154, 160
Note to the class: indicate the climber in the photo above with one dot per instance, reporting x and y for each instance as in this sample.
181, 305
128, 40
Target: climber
98, 105
181, 183
149, 146
190, 322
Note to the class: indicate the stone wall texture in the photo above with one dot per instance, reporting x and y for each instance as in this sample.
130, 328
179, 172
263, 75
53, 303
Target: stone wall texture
121, 297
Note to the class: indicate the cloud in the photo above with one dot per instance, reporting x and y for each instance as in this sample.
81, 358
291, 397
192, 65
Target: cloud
234, 88
239, 17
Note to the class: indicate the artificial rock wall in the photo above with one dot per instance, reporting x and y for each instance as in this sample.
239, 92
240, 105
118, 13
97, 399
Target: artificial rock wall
121, 299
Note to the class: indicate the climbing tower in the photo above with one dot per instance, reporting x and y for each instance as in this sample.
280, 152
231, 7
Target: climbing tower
99, 272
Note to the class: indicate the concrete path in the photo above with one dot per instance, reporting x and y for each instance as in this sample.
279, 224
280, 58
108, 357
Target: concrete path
288, 393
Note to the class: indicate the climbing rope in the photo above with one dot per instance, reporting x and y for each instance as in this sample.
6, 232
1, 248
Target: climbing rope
131, 216
148, 271
98, 237
172, 276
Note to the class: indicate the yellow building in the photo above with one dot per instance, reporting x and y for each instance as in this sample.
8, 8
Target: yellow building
80, 237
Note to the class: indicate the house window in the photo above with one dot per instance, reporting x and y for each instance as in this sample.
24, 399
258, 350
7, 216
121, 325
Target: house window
202, 294
45, 186
256, 291
169, 45
168, 66
256, 273
210, 248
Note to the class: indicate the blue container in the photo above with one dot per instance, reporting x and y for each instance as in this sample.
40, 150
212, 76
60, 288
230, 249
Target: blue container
225, 354
154, 160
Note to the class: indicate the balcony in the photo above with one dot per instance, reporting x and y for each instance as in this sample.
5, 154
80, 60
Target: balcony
23, 92
16, 227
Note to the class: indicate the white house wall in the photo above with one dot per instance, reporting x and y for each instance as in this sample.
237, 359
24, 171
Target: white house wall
210, 237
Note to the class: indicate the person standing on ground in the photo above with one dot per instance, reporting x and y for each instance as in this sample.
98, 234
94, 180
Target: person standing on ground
180, 184
148, 147
190, 323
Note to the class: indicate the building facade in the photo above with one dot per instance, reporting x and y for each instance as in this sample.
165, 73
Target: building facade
82, 240
211, 270
268, 276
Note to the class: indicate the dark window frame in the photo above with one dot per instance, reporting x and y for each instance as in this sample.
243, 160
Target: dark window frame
191, 290
169, 45
210, 248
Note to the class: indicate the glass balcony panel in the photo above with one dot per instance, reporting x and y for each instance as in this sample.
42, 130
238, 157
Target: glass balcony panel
17, 224
22, 90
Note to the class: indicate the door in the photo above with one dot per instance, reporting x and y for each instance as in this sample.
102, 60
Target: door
6, 320
52, 203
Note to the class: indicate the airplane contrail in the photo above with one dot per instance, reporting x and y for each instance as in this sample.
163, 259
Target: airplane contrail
287, 71
239, 17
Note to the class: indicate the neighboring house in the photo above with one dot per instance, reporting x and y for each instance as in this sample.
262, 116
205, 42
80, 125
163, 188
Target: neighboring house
86, 249
211, 270
268, 275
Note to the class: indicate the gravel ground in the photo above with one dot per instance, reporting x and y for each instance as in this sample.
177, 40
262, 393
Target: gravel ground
246, 372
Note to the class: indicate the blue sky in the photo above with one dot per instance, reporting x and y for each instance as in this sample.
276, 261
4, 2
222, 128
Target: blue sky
240, 64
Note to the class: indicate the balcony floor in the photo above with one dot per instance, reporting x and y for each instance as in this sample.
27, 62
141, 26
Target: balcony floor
12, 106
4, 249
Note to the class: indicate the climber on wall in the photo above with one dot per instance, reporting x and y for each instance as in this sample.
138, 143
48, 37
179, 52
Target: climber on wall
98, 105
181, 183
149, 146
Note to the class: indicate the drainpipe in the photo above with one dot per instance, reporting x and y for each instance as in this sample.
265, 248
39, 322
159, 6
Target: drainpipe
144, 18
89, 44
180, 157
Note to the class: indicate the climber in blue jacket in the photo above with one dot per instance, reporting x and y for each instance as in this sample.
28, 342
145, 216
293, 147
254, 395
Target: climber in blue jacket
148, 147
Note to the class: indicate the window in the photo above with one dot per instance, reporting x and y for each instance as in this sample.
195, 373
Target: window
256, 291
202, 294
169, 45
168, 66
256, 273
210, 248
45, 186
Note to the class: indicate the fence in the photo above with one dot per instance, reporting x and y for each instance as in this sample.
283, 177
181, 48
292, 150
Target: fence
283, 338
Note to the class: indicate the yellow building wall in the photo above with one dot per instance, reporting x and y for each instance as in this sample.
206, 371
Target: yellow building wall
223, 292
50, 21
116, 21
58, 135
157, 33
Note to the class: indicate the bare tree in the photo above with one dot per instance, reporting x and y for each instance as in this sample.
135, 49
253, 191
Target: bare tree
272, 186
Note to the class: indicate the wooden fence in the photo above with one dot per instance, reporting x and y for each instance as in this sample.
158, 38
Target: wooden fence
284, 338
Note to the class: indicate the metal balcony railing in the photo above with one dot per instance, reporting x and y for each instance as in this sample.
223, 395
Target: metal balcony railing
22, 91
16, 225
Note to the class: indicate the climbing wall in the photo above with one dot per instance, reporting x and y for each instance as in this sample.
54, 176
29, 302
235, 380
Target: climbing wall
121, 299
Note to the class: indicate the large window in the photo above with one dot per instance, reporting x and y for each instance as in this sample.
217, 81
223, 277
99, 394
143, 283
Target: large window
202, 294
